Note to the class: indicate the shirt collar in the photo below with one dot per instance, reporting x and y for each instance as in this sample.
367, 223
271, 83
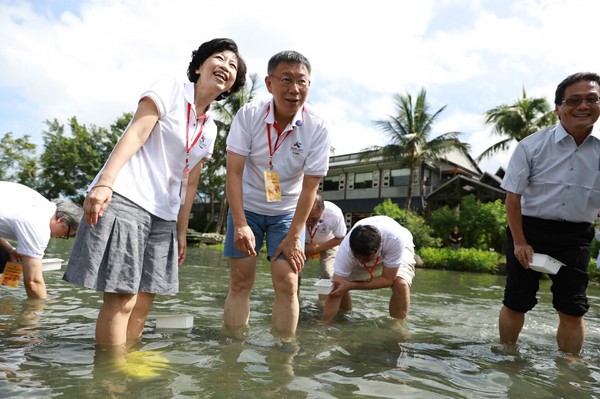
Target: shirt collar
561, 133
298, 119
188, 94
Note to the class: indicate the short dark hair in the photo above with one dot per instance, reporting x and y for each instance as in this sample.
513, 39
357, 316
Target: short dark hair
289, 57
365, 240
216, 46
572, 79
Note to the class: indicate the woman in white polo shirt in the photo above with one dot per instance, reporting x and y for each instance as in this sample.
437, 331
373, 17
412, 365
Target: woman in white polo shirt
137, 208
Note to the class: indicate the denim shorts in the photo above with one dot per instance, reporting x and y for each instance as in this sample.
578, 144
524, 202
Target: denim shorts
275, 228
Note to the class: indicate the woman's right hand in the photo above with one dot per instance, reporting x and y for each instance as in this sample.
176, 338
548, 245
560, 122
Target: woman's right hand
96, 203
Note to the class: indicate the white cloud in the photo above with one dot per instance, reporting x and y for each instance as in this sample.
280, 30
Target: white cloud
91, 59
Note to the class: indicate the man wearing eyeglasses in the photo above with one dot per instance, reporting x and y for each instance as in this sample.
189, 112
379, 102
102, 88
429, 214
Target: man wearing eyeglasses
552, 188
30, 219
277, 152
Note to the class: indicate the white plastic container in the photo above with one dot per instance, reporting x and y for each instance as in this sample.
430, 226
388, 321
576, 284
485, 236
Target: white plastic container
175, 321
324, 286
545, 264
49, 264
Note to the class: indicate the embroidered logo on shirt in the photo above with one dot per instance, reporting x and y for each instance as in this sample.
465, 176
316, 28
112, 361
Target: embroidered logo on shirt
202, 143
297, 148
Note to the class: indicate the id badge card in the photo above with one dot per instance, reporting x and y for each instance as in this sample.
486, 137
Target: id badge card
184, 184
12, 275
272, 188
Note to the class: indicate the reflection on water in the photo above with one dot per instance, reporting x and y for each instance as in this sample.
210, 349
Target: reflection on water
447, 349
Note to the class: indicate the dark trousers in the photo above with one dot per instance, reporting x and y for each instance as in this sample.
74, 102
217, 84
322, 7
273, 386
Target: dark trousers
3, 258
567, 242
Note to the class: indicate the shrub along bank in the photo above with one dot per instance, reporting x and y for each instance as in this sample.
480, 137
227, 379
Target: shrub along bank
473, 260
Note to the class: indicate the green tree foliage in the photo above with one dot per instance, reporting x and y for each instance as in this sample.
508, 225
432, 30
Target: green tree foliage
418, 226
212, 180
482, 224
442, 222
517, 121
71, 161
18, 160
409, 132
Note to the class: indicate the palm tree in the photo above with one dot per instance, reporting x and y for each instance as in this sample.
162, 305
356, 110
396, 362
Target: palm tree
409, 134
517, 121
213, 177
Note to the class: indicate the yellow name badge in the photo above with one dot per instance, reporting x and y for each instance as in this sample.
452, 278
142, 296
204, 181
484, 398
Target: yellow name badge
272, 188
12, 275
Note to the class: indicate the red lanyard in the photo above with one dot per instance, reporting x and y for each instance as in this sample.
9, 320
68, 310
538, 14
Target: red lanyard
189, 147
277, 142
312, 231
372, 268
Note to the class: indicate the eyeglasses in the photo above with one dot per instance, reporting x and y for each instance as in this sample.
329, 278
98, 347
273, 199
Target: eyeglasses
287, 81
68, 235
576, 101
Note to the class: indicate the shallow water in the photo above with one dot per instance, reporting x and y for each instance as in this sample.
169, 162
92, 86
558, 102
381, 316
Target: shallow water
447, 349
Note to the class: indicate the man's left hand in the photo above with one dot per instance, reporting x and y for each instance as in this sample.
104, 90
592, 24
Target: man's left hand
293, 251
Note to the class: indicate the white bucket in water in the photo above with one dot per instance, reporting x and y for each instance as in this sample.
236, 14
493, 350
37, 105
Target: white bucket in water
49, 264
175, 321
324, 286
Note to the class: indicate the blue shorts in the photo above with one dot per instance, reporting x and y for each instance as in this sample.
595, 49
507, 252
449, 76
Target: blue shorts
274, 227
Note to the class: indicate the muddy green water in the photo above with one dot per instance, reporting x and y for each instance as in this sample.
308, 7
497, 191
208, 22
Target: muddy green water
448, 348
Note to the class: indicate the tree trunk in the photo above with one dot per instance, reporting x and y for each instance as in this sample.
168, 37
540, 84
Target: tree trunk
211, 214
222, 222
411, 176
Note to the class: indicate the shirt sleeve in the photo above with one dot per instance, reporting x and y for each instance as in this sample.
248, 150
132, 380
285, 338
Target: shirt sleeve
317, 162
32, 239
339, 229
162, 92
517, 174
342, 266
239, 139
393, 249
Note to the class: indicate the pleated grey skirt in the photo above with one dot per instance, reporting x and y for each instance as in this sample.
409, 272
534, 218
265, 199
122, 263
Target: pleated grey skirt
128, 251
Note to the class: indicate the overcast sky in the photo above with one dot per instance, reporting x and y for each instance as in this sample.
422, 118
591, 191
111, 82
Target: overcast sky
92, 58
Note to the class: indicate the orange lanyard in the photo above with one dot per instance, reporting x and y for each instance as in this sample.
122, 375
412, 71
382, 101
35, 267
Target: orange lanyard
372, 268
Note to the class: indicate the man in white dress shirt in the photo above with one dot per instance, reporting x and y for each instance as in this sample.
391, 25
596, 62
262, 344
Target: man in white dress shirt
553, 196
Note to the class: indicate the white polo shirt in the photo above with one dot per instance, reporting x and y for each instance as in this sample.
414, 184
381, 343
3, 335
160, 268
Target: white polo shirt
331, 225
305, 151
152, 177
25, 217
556, 178
394, 239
